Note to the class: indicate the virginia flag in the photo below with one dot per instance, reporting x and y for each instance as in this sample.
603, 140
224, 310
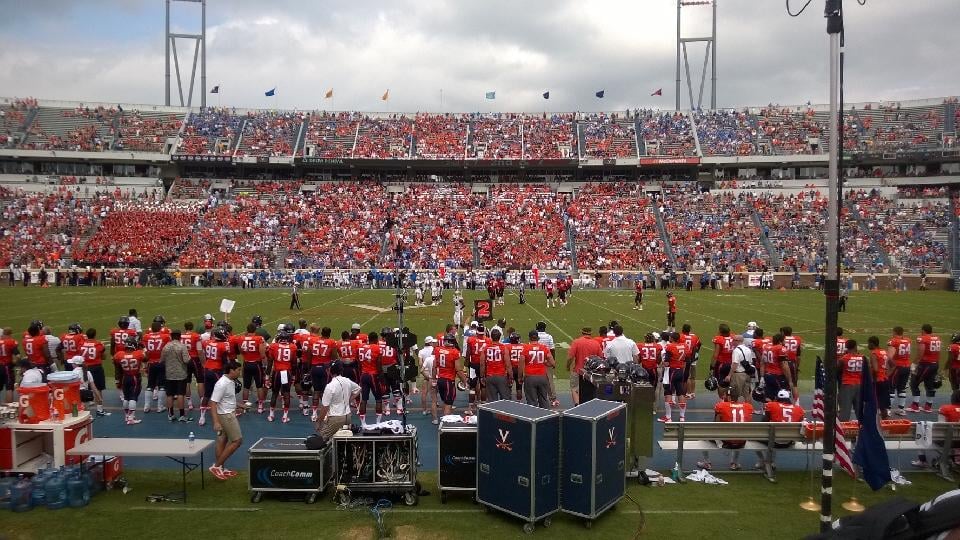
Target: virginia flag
385, 96
329, 94
216, 89
870, 453
271, 92
491, 95
599, 94
659, 92
546, 95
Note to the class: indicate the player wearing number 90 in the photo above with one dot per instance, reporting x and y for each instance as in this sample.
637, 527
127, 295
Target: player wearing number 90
851, 371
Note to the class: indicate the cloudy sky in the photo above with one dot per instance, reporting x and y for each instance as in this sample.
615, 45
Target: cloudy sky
112, 50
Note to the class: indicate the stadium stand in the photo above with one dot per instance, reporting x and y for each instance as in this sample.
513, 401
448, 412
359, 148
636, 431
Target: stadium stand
522, 226
269, 133
244, 231
726, 133
211, 131
666, 133
548, 137
440, 136
608, 137
331, 135
146, 131
497, 136
384, 138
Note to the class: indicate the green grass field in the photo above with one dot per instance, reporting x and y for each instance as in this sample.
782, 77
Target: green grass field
868, 313
749, 507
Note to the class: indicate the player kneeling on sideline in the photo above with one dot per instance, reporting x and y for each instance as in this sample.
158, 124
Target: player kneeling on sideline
781, 410
225, 424
728, 411
947, 413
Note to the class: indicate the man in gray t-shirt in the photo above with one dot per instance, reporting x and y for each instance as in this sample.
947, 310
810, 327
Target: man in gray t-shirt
175, 358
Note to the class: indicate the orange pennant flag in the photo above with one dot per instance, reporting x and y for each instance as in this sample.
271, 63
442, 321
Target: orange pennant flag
329, 94
385, 96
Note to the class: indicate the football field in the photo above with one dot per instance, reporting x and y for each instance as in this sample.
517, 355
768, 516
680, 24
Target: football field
749, 506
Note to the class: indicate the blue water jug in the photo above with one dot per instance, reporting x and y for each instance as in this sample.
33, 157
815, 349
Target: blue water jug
56, 491
78, 494
38, 494
5, 485
20, 495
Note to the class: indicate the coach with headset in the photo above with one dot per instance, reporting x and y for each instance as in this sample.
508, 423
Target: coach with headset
334, 412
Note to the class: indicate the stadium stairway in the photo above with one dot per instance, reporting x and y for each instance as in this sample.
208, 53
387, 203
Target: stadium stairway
775, 260
862, 225
641, 143
301, 139
571, 245
581, 140
664, 237
476, 254
236, 147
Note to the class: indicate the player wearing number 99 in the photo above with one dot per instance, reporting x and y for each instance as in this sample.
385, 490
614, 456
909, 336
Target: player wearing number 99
851, 371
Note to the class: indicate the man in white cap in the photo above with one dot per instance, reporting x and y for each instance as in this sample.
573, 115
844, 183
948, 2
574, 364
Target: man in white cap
88, 388
429, 392
748, 333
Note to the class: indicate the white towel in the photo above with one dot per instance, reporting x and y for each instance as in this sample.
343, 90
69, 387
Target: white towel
702, 475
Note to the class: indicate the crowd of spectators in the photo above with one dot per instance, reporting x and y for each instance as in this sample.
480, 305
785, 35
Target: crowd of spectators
384, 138
332, 135
141, 233
666, 133
432, 225
241, 232
41, 229
549, 137
269, 133
794, 223
788, 130
608, 137
440, 136
522, 226
725, 133
496, 136
712, 231
614, 227
141, 132
212, 131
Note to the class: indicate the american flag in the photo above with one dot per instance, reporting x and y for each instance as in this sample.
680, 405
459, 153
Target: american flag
842, 451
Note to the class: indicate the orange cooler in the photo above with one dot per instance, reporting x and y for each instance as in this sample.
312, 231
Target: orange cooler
34, 404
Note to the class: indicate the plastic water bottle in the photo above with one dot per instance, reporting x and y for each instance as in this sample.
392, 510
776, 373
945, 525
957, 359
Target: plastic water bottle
5, 485
56, 491
78, 495
675, 472
191, 439
38, 494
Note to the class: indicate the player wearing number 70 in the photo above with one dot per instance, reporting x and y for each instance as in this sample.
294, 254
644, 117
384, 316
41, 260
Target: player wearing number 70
533, 372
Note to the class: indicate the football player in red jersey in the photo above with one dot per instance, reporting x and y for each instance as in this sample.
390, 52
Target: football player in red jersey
321, 351
692, 344
195, 368
301, 371
533, 372
35, 349
671, 312
514, 351
928, 364
792, 348
118, 337
447, 368
728, 411
651, 353
216, 352
132, 365
638, 295
548, 289
392, 381
562, 291
841, 343
252, 349
953, 362
880, 366
675, 388
153, 342
781, 410
282, 356
948, 413
473, 353
92, 352
722, 355
774, 369
501, 286
493, 368
9, 356
348, 356
370, 357
71, 341
898, 350
851, 366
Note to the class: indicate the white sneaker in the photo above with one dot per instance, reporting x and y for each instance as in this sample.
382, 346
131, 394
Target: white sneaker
313, 417
202, 421
270, 417
133, 421
285, 419
146, 409
306, 412
160, 409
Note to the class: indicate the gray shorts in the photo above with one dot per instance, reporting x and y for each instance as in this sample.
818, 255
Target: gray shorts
536, 389
847, 398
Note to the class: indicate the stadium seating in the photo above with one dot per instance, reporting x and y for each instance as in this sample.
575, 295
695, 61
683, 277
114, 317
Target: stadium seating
78, 129
726, 133
607, 137
331, 135
549, 137
434, 225
146, 131
384, 138
141, 233
212, 131
440, 136
269, 133
614, 227
497, 136
522, 226
666, 133
241, 232
794, 224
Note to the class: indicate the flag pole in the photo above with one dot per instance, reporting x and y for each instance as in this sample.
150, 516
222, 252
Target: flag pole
833, 14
